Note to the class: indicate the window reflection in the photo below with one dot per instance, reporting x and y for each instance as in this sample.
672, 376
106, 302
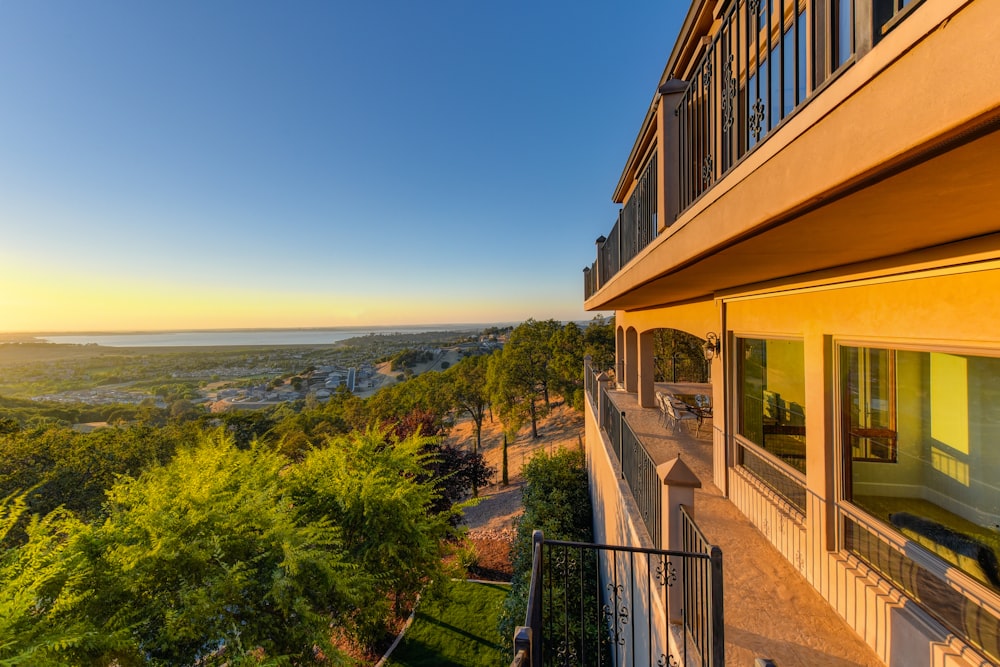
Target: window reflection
772, 397
920, 433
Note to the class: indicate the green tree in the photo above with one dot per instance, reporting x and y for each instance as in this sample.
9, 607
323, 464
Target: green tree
467, 383
566, 364
680, 356
520, 375
599, 343
556, 501
40, 623
510, 399
377, 493
209, 555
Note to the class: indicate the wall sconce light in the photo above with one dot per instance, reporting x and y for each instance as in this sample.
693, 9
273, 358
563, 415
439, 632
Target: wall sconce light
712, 347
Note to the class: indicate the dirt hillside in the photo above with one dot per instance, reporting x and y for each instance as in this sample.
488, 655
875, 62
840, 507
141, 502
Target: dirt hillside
491, 523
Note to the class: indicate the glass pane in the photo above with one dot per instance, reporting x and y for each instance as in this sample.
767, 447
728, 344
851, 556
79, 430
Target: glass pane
772, 397
867, 380
845, 31
921, 434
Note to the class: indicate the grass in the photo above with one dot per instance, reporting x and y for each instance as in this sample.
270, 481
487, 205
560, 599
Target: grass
459, 630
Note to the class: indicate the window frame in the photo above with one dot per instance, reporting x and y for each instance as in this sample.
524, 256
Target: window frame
741, 442
846, 510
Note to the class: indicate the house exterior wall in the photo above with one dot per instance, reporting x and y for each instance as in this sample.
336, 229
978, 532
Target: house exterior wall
921, 305
865, 219
617, 522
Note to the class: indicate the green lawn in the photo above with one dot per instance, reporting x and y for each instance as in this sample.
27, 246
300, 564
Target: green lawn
460, 630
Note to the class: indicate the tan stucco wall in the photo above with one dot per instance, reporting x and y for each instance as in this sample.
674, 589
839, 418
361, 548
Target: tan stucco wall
694, 318
957, 310
617, 522
859, 125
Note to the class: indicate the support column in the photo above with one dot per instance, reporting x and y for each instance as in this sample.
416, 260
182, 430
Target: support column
631, 360
647, 370
679, 484
620, 356
820, 465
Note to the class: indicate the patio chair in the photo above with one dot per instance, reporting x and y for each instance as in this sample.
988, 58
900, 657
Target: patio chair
681, 413
663, 406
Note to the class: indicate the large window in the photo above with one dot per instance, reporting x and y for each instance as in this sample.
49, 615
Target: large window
920, 434
772, 412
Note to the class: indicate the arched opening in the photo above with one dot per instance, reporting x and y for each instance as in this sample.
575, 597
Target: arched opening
679, 357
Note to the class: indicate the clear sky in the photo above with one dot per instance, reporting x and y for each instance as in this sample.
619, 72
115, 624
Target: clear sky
189, 164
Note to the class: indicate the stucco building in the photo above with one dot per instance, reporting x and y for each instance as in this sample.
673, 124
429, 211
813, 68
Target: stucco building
817, 185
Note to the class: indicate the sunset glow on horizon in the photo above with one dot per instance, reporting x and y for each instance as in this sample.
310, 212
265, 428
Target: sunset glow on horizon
319, 165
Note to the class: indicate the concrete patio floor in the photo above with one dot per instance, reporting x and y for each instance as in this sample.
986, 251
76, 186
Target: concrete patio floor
771, 611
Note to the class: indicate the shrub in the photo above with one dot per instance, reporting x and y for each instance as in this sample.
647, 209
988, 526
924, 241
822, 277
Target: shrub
557, 502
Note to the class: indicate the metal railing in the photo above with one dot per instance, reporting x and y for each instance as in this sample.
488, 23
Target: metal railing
773, 475
753, 75
597, 604
765, 61
639, 471
959, 609
590, 383
638, 467
703, 599
611, 421
635, 229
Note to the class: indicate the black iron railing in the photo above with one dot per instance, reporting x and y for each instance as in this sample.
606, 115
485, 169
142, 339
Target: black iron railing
596, 604
766, 60
704, 619
753, 75
635, 229
590, 383
638, 468
611, 421
646, 486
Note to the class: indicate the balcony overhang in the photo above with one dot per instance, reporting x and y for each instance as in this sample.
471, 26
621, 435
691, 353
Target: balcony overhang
895, 156
952, 197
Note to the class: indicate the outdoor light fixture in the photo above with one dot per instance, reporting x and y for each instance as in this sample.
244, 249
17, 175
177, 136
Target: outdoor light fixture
713, 346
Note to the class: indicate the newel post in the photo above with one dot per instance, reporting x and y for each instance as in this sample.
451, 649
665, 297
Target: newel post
679, 484
603, 382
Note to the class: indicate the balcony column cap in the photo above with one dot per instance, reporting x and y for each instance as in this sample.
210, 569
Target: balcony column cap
676, 473
673, 85
600, 239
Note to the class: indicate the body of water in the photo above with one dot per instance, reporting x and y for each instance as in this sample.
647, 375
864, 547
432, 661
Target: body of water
243, 337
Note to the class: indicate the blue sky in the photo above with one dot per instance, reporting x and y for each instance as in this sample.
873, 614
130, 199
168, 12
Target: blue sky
250, 164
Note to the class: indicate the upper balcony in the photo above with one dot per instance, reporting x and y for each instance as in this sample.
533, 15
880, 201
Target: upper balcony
794, 136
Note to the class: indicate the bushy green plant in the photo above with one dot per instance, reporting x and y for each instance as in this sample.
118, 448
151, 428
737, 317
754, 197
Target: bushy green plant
557, 502
375, 490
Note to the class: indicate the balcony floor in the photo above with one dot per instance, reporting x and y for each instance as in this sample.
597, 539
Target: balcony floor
771, 611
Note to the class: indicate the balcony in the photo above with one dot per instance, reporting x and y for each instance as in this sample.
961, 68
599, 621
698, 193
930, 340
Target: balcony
764, 597
793, 146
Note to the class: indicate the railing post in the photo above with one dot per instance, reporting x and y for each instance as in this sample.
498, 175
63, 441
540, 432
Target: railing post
718, 617
599, 264
522, 641
621, 443
602, 382
536, 611
672, 92
864, 29
679, 484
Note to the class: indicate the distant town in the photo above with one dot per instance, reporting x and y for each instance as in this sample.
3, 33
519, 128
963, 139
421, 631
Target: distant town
222, 378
